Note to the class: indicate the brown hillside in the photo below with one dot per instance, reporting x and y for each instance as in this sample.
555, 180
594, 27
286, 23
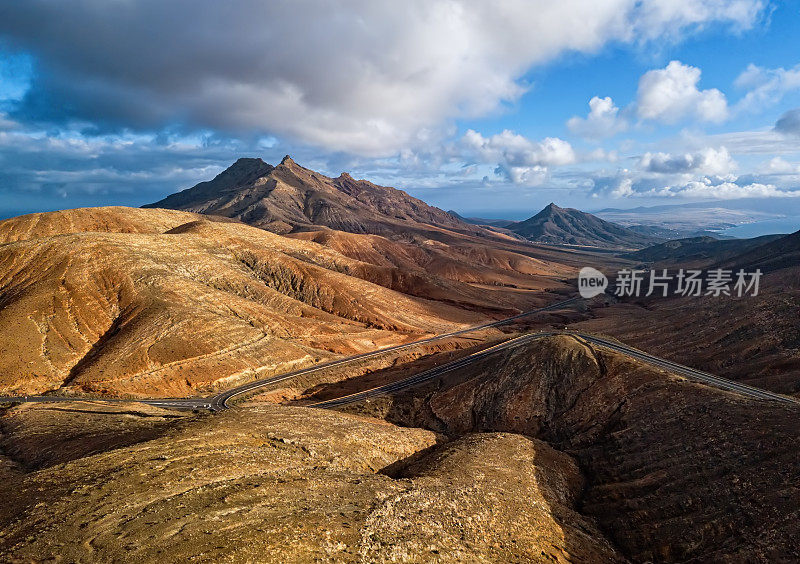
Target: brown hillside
674, 471
199, 305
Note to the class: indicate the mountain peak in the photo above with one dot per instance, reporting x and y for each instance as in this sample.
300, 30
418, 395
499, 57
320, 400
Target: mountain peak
246, 164
247, 191
242, 170
574, 227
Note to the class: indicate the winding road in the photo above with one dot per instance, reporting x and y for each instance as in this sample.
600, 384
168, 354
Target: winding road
220, 401
674, 367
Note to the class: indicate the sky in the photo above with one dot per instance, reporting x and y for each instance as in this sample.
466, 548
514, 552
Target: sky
492, 109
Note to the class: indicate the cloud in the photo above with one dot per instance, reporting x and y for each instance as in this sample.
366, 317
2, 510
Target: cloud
361, 76
603, 120
674, 15
789, 122
670, 94
766, 86
518, 159
39, 169
526, 175
516, 150
708, 188
779, 166
632, 184
707, 161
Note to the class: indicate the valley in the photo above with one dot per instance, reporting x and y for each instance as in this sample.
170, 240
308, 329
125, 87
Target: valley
320, 368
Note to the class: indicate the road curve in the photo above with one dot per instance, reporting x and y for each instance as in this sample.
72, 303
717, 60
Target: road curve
220, 401
438, 371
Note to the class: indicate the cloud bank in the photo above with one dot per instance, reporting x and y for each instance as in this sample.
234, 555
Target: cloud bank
361, 76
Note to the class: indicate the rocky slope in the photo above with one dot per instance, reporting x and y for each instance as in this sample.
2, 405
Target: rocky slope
383, 227
289, 197
755, 339
781, 253
674, 471
752, 339
157, 302
698, 252
569, 226
292, 484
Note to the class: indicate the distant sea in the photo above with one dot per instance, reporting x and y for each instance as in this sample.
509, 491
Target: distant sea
766, 227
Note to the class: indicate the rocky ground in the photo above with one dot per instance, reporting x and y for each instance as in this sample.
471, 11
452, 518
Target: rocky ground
270, 483
556, 451
752, 339
674, 471
157, 303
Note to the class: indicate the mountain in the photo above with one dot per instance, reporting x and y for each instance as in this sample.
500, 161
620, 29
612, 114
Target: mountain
750, 338
780, 253
696, 219
554, 451
438, 255
567, 226
667, 233
290, 198
698, 250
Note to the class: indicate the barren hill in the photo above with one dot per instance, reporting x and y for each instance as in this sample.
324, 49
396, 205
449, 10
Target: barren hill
750, 338
698, 251
569, 226
438, 255
289, 197
674, 471
780, 253
158, 302
555, 452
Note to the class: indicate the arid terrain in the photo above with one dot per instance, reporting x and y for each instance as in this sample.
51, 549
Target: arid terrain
544, 450
754, 339
553, 452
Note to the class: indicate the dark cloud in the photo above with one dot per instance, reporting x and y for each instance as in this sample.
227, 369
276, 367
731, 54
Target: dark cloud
362, 76
789, 123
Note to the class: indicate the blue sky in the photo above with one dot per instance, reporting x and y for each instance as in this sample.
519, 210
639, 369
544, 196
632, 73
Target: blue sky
481, 109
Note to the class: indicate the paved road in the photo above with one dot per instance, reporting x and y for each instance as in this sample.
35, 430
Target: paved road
220, 401
169, 403
438, 371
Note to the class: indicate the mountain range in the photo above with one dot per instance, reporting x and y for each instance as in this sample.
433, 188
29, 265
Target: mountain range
510, 442
288, 198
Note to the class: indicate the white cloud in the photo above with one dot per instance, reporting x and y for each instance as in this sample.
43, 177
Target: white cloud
364, 76
766, 86
632, 184
603, 120
527, 175
515, 150
675, 15
517, 158
708, 188
670, 94
707, 161
779, 166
